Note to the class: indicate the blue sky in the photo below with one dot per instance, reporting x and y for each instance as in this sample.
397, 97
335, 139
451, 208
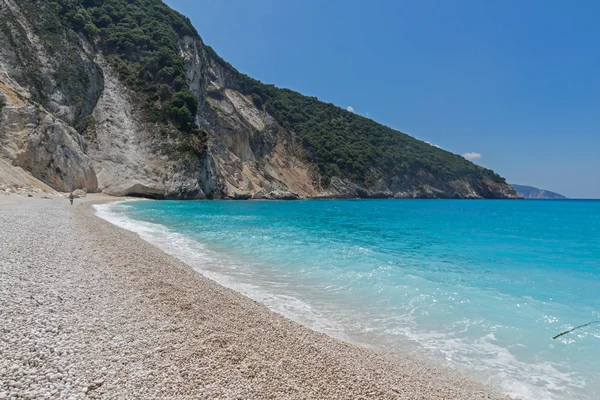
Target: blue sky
517, 82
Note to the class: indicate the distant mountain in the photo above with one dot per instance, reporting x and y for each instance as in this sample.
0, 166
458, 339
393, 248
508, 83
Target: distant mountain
530, 192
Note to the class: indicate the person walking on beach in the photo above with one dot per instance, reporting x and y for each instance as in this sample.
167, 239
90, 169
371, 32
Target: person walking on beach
71, 197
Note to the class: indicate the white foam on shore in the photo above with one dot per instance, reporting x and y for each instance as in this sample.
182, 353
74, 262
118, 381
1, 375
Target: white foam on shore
482, 357
203, 260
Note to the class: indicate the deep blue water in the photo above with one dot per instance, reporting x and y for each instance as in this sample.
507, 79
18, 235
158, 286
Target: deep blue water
481, 286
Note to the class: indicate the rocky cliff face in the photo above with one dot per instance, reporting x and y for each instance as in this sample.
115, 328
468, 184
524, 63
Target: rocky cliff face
69, 122
38, 112
33, 139
252, 156
133, 157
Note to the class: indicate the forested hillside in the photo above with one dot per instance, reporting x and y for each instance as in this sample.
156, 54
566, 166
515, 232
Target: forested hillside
277, 139
145, 35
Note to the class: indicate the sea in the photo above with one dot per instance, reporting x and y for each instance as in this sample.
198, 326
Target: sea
478, 286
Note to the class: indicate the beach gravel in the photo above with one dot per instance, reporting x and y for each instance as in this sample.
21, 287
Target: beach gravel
91, 311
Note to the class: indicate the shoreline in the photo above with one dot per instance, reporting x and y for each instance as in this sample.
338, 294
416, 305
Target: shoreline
186, 336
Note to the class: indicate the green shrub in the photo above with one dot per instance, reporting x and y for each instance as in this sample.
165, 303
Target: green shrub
165, 92
184, 118
91, 32
257, 100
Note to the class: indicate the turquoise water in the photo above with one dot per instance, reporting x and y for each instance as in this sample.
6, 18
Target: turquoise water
481, 286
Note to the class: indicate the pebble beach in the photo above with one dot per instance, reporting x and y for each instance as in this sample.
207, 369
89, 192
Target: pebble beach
90, 310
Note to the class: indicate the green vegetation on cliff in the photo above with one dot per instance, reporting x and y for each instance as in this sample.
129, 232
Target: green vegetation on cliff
143, 36
346, 144
349, 145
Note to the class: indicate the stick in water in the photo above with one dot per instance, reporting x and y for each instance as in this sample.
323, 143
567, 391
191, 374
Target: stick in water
577, 327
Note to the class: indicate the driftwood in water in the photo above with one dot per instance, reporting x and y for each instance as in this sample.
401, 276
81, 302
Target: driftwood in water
577, 327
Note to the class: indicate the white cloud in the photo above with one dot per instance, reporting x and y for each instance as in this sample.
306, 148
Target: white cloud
434, 145
350, 108
367, 114
472, 156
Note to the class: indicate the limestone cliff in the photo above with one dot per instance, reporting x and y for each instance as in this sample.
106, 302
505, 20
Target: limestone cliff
133, 157
34, 140
71, 118
68, 121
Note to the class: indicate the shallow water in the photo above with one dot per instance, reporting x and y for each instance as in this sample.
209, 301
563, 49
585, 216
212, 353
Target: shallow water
481, 286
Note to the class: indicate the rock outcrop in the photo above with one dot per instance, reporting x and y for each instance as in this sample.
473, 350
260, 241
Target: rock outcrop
133, 157
38, 142
43, 84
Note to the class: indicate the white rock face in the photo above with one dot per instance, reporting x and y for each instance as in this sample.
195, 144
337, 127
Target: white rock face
35, 141
38, 85
250, 154
17, 180
130, 156
119, 146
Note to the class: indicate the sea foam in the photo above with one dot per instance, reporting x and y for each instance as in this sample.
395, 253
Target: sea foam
480, 287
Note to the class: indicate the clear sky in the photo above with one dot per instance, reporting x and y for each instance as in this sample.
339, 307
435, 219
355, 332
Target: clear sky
516, 82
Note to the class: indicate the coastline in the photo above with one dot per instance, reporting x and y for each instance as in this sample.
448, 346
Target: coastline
143, 324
